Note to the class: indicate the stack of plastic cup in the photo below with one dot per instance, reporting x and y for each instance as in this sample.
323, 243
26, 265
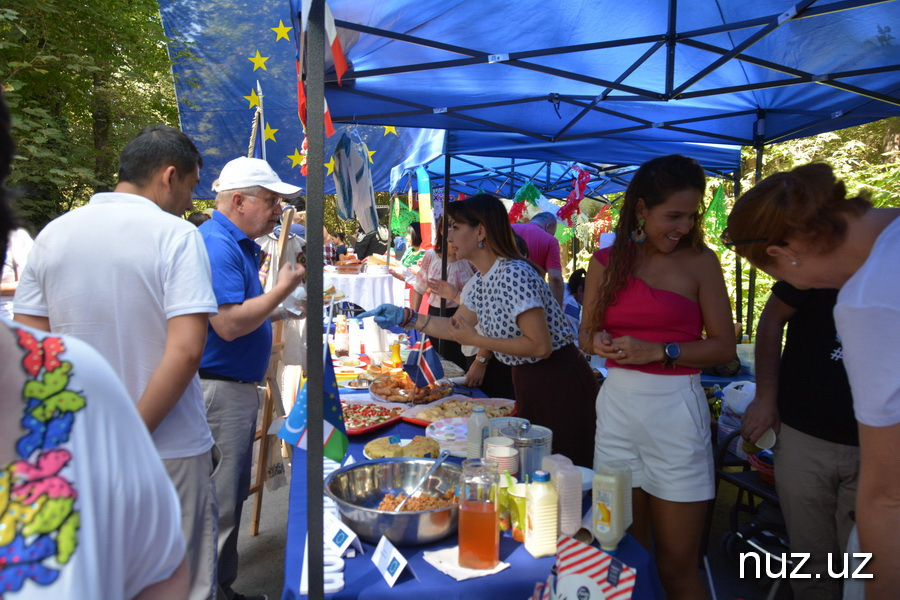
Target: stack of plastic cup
507, 458
497, 442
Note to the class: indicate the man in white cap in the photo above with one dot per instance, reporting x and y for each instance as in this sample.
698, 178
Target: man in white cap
239, 340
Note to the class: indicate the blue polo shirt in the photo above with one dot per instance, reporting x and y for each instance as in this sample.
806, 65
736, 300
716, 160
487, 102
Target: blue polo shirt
235, 259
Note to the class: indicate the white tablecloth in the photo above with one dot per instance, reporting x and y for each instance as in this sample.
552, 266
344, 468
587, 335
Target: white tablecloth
367, 291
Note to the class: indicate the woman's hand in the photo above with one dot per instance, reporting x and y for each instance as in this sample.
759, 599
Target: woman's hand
462, 332
386, 315
628, 350
475, 374
441, 288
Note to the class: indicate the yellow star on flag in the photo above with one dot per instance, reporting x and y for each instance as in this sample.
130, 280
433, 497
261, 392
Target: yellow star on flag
390, 129
253, 98
281, 31
372, 153
259, 62
269, 133
330, 166
296, 158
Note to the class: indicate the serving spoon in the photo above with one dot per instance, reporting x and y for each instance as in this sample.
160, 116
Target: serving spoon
437, 463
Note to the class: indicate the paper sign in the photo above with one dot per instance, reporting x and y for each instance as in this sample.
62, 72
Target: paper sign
388, 560
338, 536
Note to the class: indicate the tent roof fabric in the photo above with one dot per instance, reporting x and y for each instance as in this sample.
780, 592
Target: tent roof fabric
715, 71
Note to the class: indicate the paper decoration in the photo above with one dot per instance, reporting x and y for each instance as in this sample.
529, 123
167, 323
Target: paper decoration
579, 185
527, 193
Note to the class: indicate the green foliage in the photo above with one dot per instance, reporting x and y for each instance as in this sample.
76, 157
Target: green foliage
81, 79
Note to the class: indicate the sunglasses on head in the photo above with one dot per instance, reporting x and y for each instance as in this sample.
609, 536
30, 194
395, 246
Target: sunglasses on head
728, 242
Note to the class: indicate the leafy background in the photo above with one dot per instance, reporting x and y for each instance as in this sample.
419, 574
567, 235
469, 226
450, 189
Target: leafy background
82, 78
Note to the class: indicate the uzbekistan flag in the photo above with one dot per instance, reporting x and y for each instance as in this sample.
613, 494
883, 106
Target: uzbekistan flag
295, 427
423, 364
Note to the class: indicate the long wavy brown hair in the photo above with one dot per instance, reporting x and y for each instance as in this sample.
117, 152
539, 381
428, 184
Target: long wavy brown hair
654, 182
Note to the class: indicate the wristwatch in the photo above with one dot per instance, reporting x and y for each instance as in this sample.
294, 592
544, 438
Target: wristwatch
482, 359
672, 352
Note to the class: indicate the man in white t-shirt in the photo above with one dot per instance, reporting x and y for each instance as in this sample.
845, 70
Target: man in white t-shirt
16, 258
129, 277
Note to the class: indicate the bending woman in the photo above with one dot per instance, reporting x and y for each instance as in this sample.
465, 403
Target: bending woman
801, 227
523, 326
647, 300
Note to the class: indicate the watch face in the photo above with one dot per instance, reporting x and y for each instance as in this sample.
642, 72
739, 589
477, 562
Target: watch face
673, 351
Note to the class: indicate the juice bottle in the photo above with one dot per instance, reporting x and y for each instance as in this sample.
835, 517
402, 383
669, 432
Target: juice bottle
541, 502
478, 428
612, 504
479, 528
341, 336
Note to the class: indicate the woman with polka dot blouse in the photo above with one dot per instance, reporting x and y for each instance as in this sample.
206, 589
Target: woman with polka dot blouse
522, 324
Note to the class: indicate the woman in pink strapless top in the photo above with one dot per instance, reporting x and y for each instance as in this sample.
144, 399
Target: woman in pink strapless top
648, 300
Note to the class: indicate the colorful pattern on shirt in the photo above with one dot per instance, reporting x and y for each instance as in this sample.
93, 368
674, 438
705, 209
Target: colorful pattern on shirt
38, 520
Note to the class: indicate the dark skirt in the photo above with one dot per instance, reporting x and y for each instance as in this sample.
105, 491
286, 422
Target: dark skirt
560, 393
448, 349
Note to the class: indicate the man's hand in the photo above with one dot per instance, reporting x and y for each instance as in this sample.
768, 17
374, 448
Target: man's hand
290, 276
759, 416
386, 315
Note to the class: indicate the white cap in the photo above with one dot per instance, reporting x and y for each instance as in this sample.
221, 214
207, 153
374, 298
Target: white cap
247, 172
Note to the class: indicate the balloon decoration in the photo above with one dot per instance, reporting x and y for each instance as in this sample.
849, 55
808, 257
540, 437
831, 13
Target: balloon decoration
572, 201
527, 193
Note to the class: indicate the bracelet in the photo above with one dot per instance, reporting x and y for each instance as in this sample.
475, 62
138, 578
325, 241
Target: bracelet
411, 322
425, 324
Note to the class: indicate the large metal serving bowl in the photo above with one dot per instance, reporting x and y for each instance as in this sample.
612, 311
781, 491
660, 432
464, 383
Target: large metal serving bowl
359, 488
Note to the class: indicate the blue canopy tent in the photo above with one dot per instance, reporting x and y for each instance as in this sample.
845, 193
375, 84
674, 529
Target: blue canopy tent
744, 73
651, 71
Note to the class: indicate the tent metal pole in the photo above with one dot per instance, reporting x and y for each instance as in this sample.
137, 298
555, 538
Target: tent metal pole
738, 278
751, 291
444, 228
315, 202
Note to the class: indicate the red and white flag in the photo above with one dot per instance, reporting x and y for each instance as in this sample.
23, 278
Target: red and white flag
578, 564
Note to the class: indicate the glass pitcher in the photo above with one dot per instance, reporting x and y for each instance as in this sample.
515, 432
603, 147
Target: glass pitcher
479, 527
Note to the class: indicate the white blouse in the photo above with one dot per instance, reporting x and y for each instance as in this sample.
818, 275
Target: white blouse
508, 289
458, 274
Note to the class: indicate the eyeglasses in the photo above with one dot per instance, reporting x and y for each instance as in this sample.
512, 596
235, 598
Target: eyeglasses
270, 202
728, 242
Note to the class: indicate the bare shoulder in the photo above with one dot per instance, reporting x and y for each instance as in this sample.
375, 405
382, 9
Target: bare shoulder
703, 258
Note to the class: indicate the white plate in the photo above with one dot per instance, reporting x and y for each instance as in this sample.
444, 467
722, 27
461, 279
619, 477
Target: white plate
354, 371
403, 442
450, 434
343, 362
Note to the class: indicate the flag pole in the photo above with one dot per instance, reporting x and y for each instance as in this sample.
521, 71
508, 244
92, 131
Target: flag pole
262, 118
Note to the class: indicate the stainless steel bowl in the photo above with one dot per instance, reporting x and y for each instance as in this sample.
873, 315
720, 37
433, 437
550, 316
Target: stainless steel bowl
359, 488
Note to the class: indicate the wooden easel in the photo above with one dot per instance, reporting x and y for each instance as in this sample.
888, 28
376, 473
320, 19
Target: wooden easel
272, 388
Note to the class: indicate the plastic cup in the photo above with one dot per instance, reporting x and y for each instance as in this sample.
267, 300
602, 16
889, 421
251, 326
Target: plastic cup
503, 505
767, 440
497, 442
517, 510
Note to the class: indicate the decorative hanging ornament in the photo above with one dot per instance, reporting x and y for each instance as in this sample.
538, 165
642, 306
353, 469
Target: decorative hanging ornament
579, 185
528, 193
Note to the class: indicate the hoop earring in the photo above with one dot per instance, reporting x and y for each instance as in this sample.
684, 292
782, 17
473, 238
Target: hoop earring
639, 235
481, 244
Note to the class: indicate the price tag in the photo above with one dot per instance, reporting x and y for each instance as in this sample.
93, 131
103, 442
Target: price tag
615, 571
389, 561
338, 536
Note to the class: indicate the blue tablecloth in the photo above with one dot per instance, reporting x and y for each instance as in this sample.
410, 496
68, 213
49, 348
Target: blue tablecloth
363, 580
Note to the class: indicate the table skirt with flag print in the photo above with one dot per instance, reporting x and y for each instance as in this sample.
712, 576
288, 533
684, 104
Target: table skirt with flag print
294, 429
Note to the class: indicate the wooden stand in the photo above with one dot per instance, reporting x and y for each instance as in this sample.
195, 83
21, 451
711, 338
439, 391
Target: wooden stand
272, 406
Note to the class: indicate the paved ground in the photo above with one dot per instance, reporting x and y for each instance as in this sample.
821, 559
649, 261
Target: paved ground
262, 557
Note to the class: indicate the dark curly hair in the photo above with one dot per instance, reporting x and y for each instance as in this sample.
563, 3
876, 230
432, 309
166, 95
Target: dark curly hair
654, 182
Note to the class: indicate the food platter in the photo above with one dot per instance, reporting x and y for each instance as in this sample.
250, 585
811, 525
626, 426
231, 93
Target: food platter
365, 416
457, 406
403, 442
401, 389
451, 434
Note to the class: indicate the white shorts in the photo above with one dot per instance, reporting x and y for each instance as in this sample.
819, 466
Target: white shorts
659, 426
